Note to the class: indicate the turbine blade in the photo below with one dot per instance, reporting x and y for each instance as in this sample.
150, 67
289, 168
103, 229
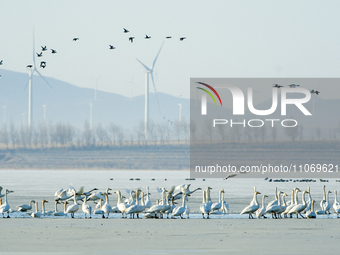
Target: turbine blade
42, 77
33, 49
147, 68
154, 86
154, 62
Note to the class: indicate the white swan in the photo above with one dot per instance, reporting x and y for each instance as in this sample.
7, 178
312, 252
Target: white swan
299, 207
324, 204
141, 207
158, 208
38, 214
203, 207
87, 209
99, 211
178, 211
134, 208
107, 208
5, 207
274, 202
311, 214
217, 206
25, 207
309, 201
56, 213
148, 203
274, 207
291, 204
120, 204
336, 205
250, 209
172, 207
74, 207
262, 211
283, 206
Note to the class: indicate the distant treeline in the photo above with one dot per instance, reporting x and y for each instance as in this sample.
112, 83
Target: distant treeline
60, 134
56, 135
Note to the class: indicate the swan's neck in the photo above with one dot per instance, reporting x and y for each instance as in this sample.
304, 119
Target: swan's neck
255, 199
147, 190
183, 204
292, 198
137, 199
36, 207
220, 197
119, 198
284, 201
303, 198
204, 199
296, 198
43, 208
55, 206
279, 201
6, 198
312, 206
276, 193
65, 207
324, 192
335, 196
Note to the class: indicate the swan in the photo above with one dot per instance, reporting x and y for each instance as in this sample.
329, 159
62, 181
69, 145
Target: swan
185, 189
311, 214
148, 203
134, 208
250, 209
274, 202
99, 211
56, 213
158, 208
291, 204
107, 208
294, 202
274, 208
5, 207
141, 207
283, 206
166, 205
336, 205
299, 207
309, 201
87, 209
121, 206
262, 211
203, 207
225, 205
325, 206
25, 207
217, 206
172, 207
178, 211
74, 207
38, 214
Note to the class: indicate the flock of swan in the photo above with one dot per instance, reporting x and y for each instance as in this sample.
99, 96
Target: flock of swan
139, 202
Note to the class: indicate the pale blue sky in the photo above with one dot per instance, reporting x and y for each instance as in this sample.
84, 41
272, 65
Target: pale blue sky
224, 39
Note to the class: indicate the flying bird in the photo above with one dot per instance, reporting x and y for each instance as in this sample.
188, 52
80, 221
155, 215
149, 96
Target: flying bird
314, 92
168, 37
126, 31
229, 176
147, 37
182, 38
75, 39
1, 62
131, 39
39, 54
277, 86
53, 51
29, 66
43, 48
293, 85
43, 64
112, 47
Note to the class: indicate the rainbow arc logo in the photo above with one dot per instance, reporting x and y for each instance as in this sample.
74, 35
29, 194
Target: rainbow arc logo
209, 93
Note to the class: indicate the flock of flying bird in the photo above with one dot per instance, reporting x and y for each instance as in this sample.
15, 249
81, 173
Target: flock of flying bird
139, 202
111, 47
294, 86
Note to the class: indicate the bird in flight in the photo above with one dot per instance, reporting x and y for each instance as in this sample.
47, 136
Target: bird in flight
182, 38
43, 48
43, 64
126, 31
314, 92
75, 39
29, 66
229, 176
293, 85
1, 62
53, 51
277, 86
39, 54
147, 37
131, 39
112, 47
168, 37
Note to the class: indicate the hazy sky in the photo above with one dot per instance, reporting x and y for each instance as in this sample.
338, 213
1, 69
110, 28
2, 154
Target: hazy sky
224, 39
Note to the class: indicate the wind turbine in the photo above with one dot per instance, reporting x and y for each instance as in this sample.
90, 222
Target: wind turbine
30, 84
149, 71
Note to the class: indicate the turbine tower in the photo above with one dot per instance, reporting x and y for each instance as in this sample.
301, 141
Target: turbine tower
30, 84
149, 71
